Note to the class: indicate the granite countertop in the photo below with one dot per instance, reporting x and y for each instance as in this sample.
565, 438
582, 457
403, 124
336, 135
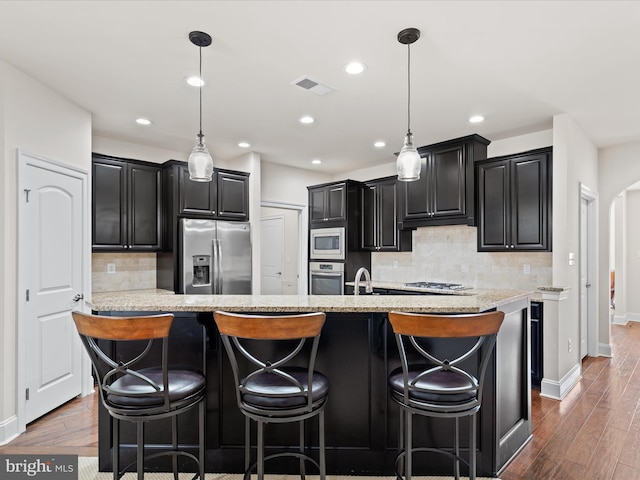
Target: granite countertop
472, 301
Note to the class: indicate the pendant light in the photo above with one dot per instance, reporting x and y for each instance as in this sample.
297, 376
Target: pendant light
200, 161
408, 163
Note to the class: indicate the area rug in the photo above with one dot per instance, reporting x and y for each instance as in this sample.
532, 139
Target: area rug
88, 470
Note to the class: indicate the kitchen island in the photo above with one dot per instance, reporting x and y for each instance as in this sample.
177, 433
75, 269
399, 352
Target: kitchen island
357, 351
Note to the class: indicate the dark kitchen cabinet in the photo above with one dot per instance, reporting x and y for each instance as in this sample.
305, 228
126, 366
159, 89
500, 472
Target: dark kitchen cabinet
328, 203
380, 219
444, 194
514, 202
226, 197
126, 204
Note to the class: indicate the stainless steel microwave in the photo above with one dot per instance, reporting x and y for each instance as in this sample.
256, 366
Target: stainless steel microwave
327, 243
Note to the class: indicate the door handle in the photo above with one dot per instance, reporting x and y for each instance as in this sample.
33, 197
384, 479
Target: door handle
78, 297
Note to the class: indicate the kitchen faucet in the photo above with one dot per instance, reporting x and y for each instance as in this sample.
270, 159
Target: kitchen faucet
368, 286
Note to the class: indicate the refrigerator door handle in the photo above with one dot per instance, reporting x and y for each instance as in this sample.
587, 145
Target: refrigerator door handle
217, 252
214, 267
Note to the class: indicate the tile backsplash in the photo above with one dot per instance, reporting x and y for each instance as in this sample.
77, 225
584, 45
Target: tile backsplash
133, 271
449, 254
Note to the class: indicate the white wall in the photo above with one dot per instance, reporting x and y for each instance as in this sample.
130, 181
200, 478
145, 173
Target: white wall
632, 236
118, 148
575, 161
37, 120
287, 184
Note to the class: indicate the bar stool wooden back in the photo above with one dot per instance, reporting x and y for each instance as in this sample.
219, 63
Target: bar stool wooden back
432, 384
142, 394
276, 385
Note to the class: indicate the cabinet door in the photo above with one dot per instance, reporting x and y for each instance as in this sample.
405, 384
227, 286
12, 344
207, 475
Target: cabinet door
369, 213
493, 201
232, 196
447, 182
144, 193
336, 202
387, 215
416, 194
529, 201
109, 227
196, 198
316, 205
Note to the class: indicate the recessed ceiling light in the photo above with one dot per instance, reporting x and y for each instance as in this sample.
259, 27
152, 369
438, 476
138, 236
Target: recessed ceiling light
306, 119
476, 119
316, 161
354, 68
143, 121
195, 81
244, 144
380, 144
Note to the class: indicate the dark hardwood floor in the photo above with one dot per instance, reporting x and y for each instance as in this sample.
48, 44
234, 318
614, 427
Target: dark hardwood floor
593, 434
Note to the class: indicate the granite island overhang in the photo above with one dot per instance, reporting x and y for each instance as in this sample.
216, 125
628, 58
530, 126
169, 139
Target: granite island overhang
356, 353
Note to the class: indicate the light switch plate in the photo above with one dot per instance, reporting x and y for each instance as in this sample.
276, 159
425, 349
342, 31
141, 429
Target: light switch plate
111, 268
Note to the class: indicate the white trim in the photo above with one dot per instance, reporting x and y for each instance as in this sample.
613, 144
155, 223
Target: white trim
23, 159
8, 430
558, 390
620, 320
592, 267
633, 317
303, 239
604, 350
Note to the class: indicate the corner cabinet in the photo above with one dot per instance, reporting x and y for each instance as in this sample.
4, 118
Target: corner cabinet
126, 202
444, 194
380, 219
514, 202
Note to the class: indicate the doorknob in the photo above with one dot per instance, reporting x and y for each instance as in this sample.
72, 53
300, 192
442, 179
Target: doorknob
278, 273
79, 296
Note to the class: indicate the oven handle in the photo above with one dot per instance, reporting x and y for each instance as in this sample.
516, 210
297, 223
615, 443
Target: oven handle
326, 274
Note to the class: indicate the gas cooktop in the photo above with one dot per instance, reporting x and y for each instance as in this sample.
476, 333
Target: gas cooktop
436, 285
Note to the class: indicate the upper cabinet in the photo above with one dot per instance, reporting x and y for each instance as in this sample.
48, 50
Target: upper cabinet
514, 202
380, 219
226, 197
125, 205
328, 203
444, 194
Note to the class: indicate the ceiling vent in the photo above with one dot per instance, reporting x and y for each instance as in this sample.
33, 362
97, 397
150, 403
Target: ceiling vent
312, 86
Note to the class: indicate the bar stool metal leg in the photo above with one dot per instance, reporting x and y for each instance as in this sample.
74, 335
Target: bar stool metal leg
115, 448
301, 450
323, 466
140, 450
174, 443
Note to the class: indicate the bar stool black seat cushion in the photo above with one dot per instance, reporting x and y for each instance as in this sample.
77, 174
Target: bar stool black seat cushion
443, 383
272, 384
182, 385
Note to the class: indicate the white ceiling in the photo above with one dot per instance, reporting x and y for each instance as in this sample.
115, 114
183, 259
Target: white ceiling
519, 63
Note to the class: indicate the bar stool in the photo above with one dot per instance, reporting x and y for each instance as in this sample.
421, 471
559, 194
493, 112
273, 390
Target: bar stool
434, 386
141, 395
274, 387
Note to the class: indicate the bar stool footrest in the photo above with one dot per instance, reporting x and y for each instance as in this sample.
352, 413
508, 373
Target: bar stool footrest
171, 453
442, 451
301, 456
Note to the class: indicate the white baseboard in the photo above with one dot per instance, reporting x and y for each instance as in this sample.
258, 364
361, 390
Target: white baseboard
633, 317
604, 349
619, 319
8, 430
559, 390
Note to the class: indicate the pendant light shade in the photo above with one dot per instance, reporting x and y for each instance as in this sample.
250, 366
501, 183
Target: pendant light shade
200, 160
408, 162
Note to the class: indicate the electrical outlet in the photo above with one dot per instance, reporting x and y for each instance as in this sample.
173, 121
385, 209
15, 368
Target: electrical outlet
111, 268
570, 346
394, 264
526, 269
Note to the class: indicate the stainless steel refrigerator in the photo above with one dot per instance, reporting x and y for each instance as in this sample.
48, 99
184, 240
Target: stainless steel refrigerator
214, 257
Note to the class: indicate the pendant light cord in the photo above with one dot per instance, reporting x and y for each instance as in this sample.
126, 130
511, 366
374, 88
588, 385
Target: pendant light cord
408, 88
201, 82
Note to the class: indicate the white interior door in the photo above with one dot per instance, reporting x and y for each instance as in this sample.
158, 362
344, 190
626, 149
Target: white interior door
272, 246
51, 242
584, 278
